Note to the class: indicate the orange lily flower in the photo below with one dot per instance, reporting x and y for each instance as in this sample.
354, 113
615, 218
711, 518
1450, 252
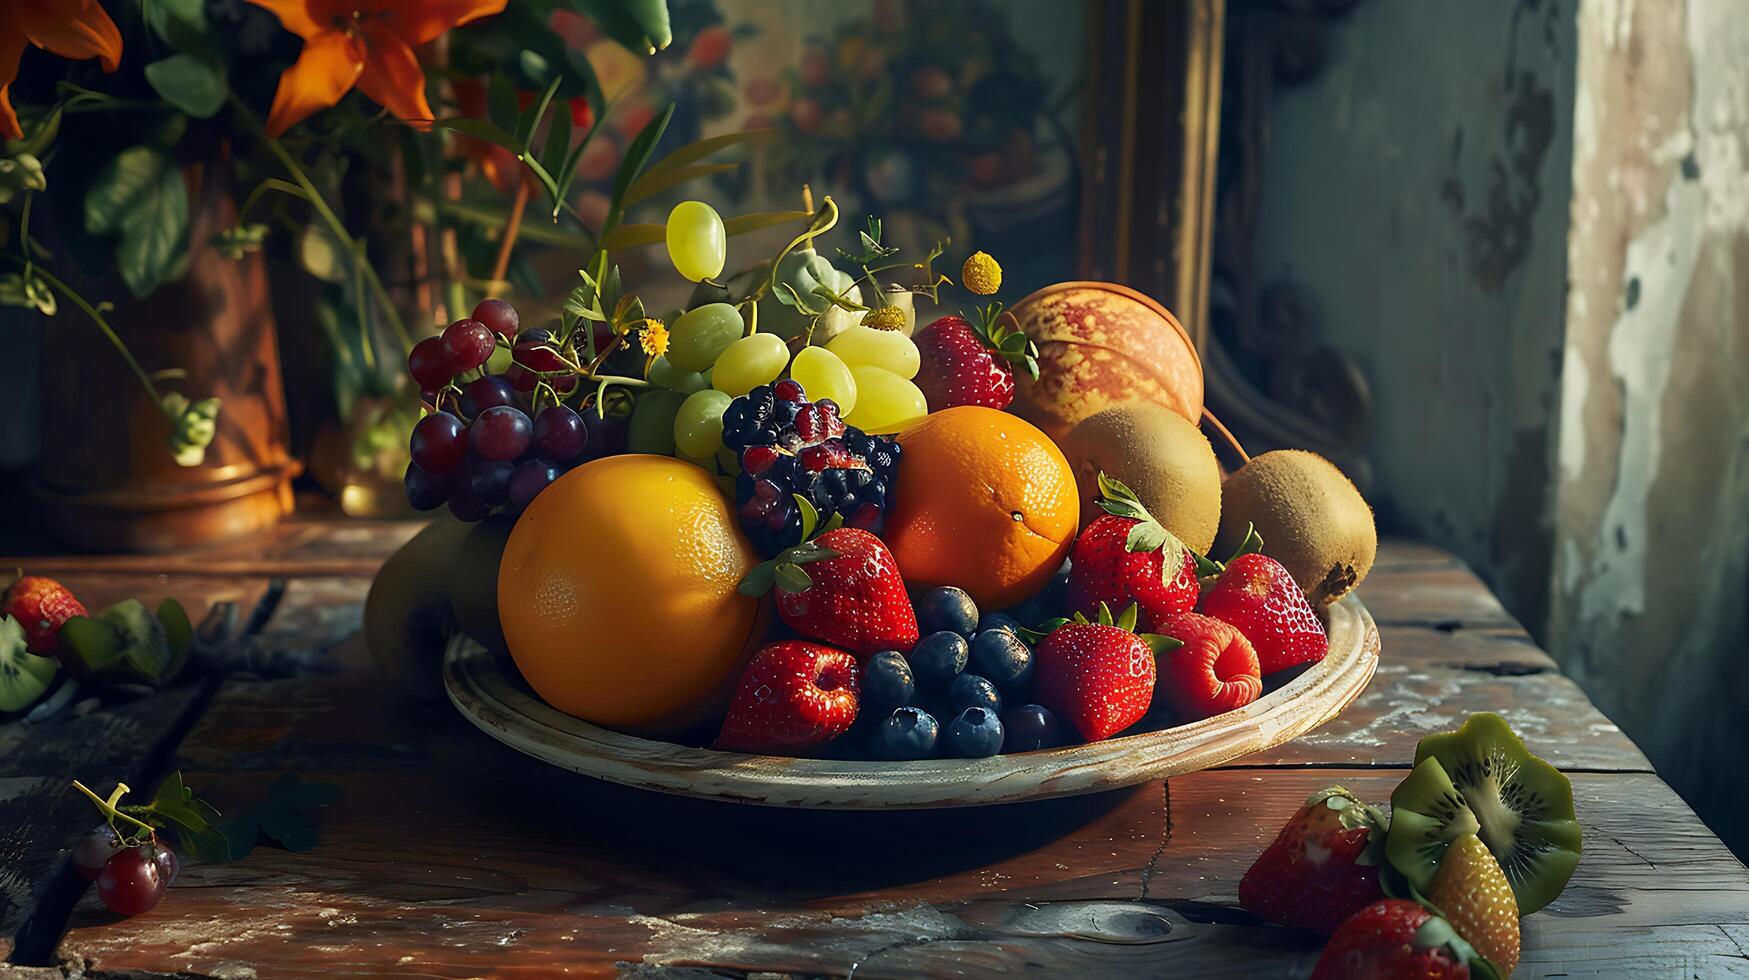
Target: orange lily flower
368, 43
75, 29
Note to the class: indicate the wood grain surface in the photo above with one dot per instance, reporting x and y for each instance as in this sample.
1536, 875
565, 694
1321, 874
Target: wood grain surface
451, 855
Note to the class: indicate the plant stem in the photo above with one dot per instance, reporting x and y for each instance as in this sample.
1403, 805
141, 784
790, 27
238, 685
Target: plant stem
108, 331
501, 267
109, 809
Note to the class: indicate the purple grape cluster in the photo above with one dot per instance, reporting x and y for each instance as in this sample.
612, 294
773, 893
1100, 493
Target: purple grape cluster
479, 448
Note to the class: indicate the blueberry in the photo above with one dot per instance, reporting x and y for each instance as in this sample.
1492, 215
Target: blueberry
972, 691
947, 608
975, 734
1030, 726
1001, 656
908, 733
997, 621
887, 682
938, 657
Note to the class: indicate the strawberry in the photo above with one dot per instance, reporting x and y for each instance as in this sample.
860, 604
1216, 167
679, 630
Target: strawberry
1097, 676
849, 595
1259, 597
40, 605
1394, 939
1214, 671
793, 695
1322, 868
972, 364
1126, 556
1472, 892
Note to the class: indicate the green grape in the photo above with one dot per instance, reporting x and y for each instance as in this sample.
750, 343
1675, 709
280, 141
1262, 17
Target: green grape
750, 362
729, 461
822, 375
651, 429
697, 244
664, 374
700, 336
889, 350
885, 402
698, 427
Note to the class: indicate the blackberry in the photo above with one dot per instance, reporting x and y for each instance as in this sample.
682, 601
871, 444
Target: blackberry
789, 447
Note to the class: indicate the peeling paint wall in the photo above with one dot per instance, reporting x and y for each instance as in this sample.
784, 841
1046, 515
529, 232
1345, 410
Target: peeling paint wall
1652, 499
1418, 187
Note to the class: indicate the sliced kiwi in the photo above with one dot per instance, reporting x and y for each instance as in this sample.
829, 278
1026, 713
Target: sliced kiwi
1480, 779
24, 676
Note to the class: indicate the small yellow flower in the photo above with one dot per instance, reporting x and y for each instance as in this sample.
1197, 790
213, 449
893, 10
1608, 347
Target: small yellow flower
885, 318
654, 337
981, 274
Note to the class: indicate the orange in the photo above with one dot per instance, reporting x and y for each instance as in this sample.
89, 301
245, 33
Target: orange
618, 600
984, 501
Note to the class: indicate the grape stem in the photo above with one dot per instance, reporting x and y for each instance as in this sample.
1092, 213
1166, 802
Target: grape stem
109, 810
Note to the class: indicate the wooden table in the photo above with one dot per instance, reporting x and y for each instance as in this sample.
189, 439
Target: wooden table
452, 856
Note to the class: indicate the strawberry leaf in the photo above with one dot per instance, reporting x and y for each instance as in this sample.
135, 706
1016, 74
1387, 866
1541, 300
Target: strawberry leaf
1104, 618
810, 516
1251, 545
1145, 536
833, 523
791, 577
1037, 634
1160, 643
758, 581
1127, 620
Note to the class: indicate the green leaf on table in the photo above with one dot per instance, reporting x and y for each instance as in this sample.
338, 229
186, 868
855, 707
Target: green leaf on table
640, 26
174, 805
638, 154
139, 197
284, 817
192, 84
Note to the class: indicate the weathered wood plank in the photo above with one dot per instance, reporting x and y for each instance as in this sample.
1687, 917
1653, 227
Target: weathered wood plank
487, 865
295, 547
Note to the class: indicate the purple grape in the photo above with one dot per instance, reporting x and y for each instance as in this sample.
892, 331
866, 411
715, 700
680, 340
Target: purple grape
467, 344
94, 850
439, 443
465, 506
490, 480
535, 335
559, 434
488, 392
498, 315
607, 436
531, 477
501, 432
425, 489
168, 865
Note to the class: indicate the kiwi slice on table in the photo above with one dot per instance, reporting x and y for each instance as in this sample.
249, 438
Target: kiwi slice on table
1480, 779
24, 676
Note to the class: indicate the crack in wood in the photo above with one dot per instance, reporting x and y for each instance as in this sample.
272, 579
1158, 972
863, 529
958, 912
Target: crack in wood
1148, 869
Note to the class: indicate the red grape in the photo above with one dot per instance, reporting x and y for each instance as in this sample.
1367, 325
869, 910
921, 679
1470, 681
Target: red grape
93, 850
425, 489
429, 365
131, 882
439, 443
490, 481
168, 865
488, 392
559, 434
521, 378
467, 344
500, 433
498, 315
538, 357
530, 478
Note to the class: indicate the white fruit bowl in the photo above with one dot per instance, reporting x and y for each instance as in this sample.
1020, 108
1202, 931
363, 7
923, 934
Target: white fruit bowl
489, 693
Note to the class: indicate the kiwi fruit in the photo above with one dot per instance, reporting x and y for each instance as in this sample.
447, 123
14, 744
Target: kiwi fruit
1162, 456
1310, 516
1481, 780
24, 676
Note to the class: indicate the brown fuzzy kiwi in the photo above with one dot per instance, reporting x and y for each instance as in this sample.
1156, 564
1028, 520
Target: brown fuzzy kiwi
1310, 516
1165, 459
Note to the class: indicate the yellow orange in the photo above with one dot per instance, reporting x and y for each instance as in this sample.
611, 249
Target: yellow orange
984, 501
617, 593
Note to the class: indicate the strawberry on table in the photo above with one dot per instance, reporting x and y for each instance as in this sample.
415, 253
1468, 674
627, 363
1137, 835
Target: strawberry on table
1215, 671
1394, 939
793, 696
972, 364
1098, 677
1322, 868
1258, 596
1473, 893
842, 587
1126, 556
40, 605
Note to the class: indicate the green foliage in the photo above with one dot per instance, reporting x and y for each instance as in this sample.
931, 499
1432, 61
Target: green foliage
194, 85
640, 26
285, 817
139, 198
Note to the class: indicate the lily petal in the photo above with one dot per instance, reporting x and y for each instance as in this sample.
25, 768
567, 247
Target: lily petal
430, 18
301, 17
11, 48
392, 77
71, 29
327, 69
